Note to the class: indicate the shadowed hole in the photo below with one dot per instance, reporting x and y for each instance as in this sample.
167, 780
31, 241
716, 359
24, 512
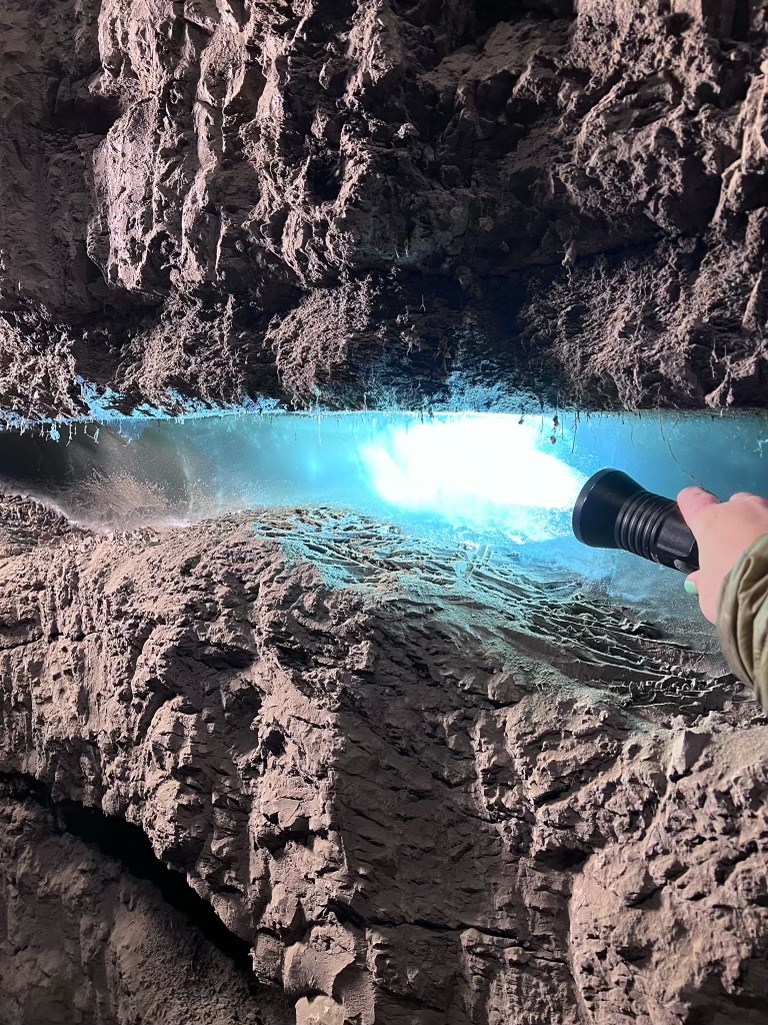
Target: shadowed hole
130, 846
742, 19
492, 12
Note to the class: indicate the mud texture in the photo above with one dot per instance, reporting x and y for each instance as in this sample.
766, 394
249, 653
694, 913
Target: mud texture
84, 940
352, 202
413, 787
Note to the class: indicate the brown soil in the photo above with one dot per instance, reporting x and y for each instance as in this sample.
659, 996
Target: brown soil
347, 203
423, 790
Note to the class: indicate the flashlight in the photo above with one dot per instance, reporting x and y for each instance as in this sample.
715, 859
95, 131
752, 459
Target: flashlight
614, 511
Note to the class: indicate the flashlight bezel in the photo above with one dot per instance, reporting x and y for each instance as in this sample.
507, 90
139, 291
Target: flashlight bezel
617, 487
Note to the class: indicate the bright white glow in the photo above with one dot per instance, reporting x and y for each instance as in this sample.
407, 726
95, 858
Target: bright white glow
480, 470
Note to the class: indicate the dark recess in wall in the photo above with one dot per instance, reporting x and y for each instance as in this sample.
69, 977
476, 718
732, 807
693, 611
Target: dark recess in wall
84, 114
491, 12
324, 179
742, 19
93, 272
131, 847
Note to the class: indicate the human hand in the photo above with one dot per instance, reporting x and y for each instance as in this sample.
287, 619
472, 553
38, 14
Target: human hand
723, 531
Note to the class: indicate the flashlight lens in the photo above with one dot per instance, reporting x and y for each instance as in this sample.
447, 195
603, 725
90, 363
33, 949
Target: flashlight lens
598, 506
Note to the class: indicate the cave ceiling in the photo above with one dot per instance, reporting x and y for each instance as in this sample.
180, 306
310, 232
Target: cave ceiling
353, 204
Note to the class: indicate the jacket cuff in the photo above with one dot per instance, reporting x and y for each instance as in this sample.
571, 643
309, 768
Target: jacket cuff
742, 618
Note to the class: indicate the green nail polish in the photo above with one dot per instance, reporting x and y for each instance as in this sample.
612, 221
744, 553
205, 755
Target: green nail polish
690, 587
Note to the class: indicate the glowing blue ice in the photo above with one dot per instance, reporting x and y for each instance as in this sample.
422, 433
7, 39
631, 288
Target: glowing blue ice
494, 482
487, 471
481, 474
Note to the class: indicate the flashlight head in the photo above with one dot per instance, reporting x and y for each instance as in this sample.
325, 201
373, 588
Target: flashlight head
598, 507
614, 511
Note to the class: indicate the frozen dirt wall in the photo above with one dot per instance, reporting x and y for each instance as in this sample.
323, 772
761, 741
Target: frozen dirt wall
414, 794
351, 200
395, 786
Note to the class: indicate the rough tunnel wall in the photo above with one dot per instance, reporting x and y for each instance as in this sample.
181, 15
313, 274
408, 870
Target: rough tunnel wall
350, 200
83, 940
420, 799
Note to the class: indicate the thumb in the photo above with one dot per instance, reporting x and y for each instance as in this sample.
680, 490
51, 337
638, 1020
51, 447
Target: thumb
693, 501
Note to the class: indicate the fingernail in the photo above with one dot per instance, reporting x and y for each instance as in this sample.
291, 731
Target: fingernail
690, 587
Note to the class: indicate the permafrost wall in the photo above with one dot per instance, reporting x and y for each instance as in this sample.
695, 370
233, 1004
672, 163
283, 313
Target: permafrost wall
349, 201
394, 786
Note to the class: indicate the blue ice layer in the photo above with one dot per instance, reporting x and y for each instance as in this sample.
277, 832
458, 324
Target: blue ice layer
499, 482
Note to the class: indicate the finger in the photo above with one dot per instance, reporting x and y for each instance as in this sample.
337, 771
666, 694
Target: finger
692, 583
745, 496
693, 501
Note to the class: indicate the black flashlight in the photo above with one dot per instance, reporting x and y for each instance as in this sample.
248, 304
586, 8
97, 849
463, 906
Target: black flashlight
614, 511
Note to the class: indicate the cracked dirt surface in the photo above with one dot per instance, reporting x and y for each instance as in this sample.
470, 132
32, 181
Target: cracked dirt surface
352, 201
421, 792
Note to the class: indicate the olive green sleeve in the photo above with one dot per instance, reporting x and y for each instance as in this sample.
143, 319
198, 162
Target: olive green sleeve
742, 618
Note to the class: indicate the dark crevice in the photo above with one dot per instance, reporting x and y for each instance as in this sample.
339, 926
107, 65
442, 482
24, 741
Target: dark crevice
562, 859
93, 272
489, 13
742, 19
84, 114
324, 179
130, 846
